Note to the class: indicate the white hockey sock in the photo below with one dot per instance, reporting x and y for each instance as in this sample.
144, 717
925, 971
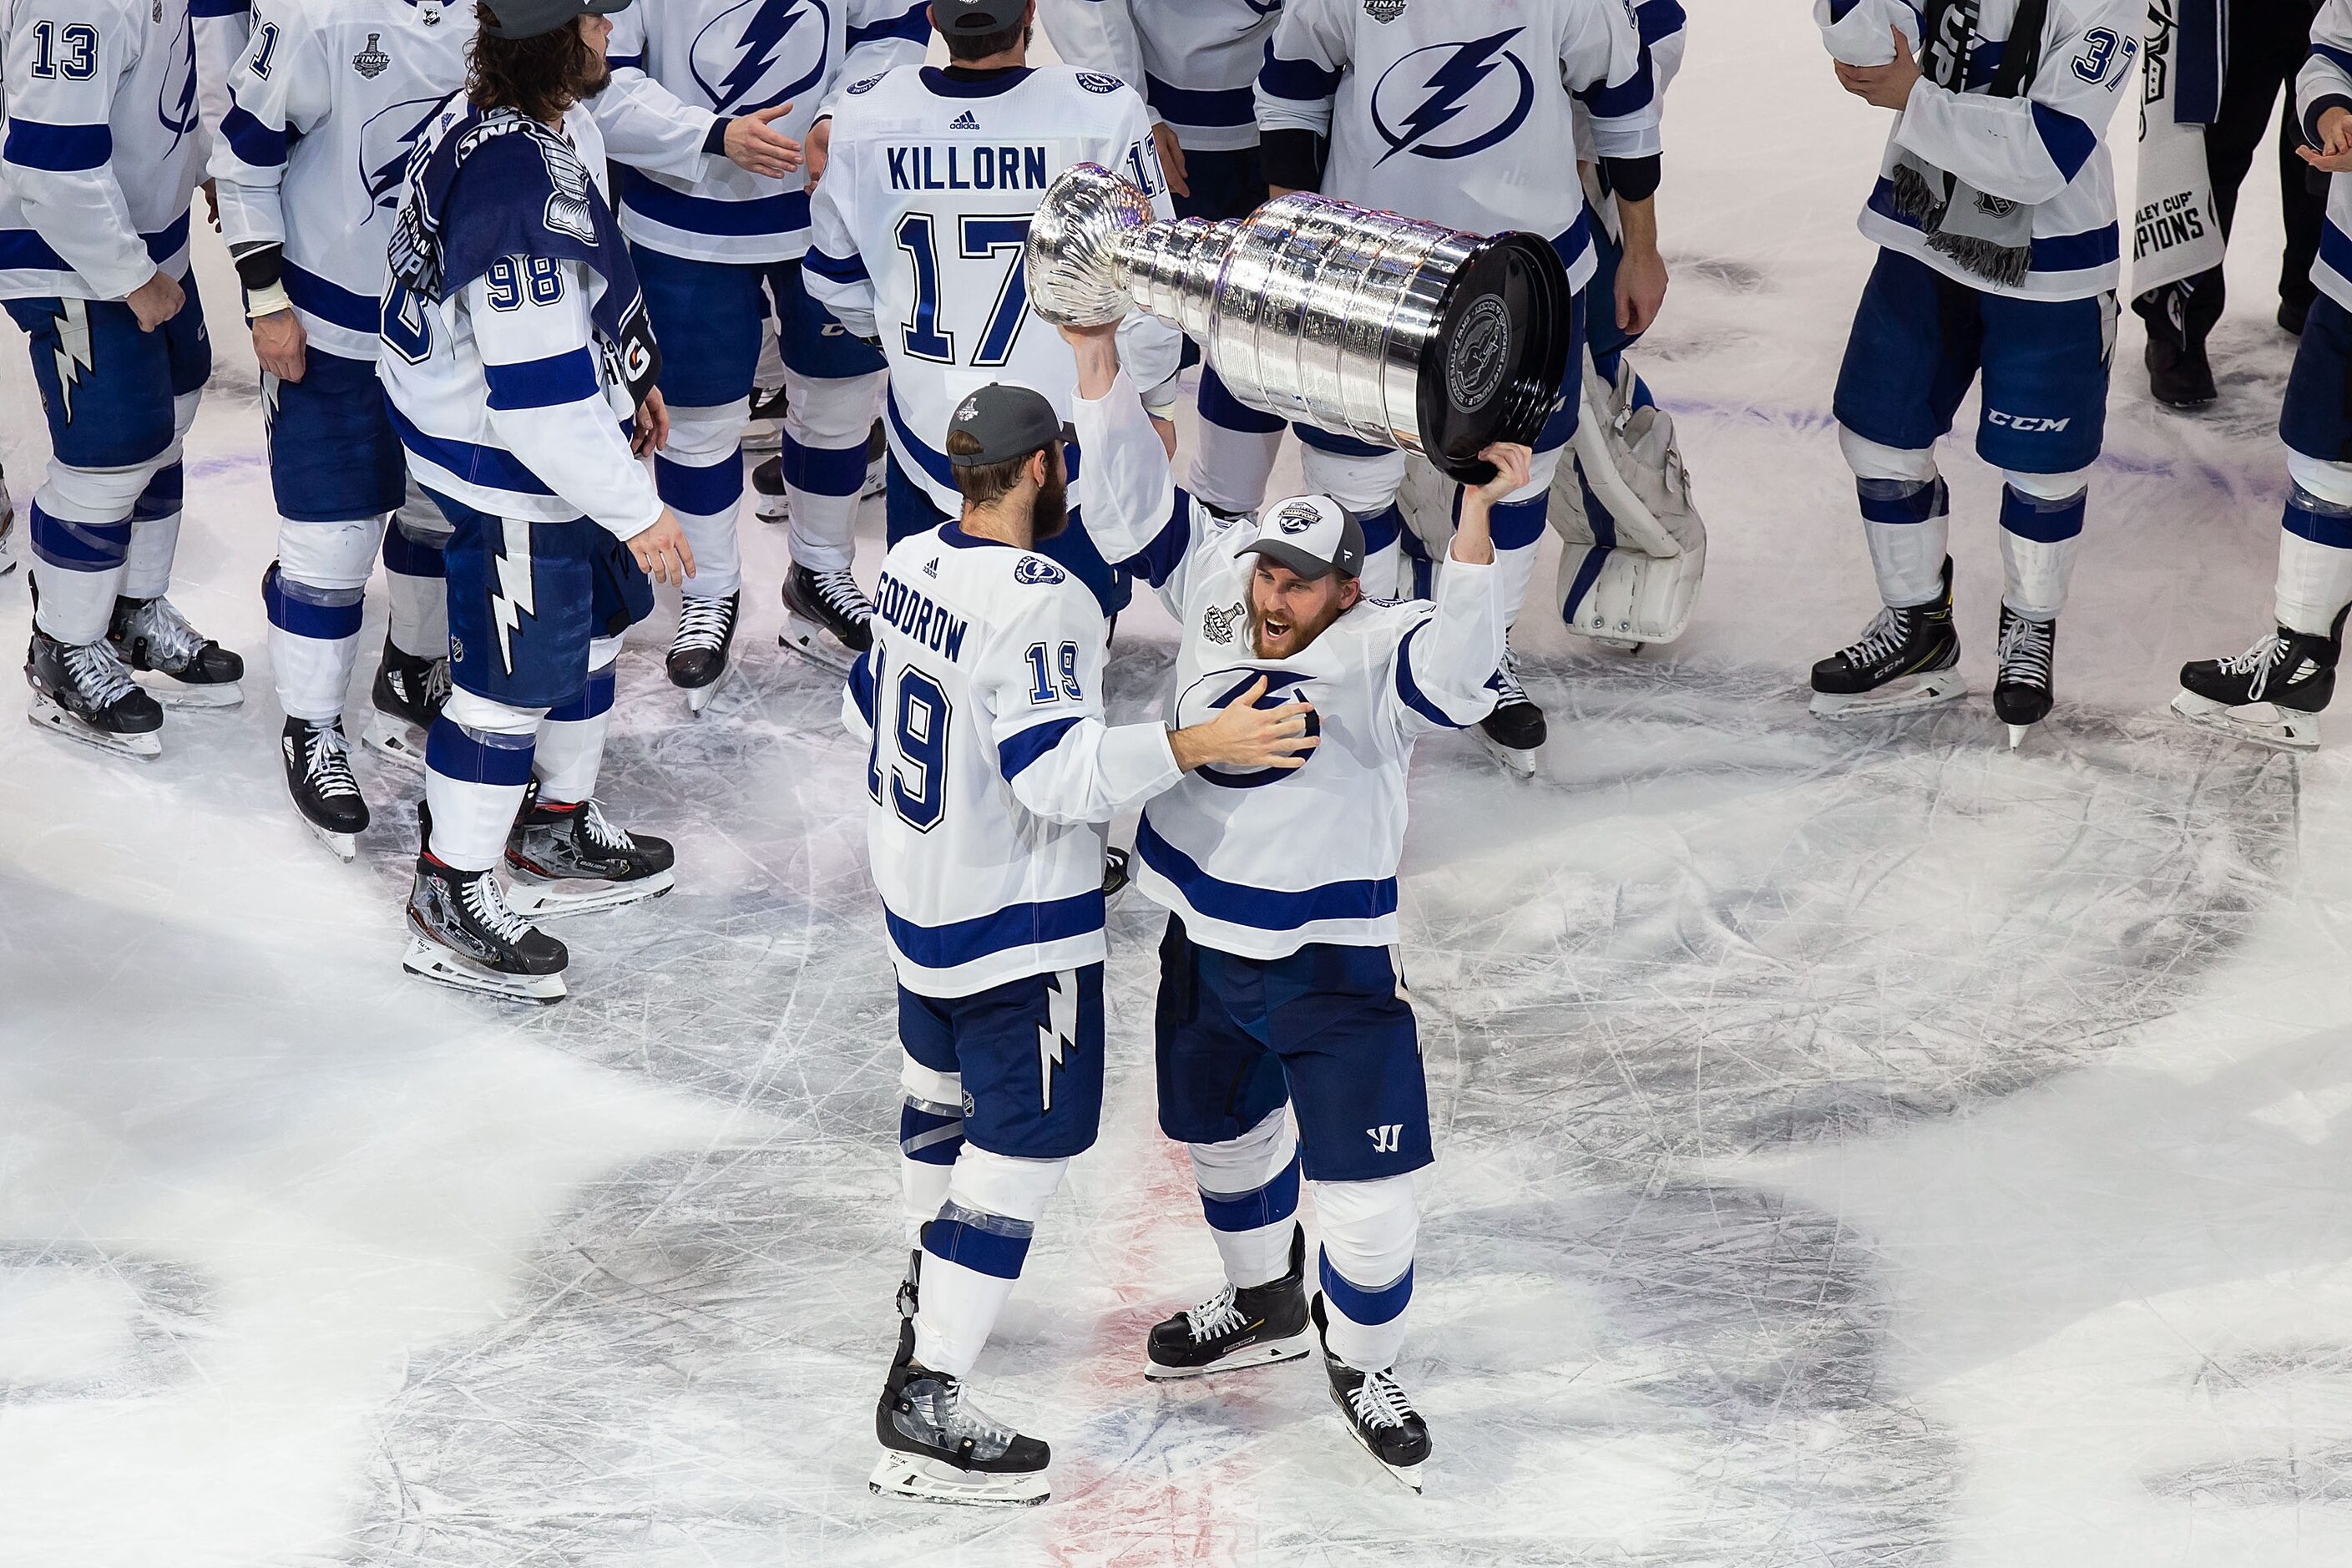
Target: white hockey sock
700, 476
2040, 529
418, 593
930, 1139
826, 423
1365, 1266
77, 568
1235, 455
1249, 1194
477, 762
314, 643
2314, 564
974, 1251
154, 535
572, 737
1906, 517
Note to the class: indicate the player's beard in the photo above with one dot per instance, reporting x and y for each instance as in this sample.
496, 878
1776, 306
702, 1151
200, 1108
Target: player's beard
1302, 634
1051, 513
594, 73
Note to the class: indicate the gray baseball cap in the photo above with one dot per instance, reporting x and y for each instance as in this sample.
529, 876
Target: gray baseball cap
978, 15
530, 18
1313, 535
1008, 422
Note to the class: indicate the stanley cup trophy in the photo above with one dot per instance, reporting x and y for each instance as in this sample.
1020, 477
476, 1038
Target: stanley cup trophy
1399, 332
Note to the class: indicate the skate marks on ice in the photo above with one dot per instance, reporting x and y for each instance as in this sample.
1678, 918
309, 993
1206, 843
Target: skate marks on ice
1748, 929
80, 1321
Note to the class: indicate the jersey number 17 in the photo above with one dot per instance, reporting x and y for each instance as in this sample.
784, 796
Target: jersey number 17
979, 238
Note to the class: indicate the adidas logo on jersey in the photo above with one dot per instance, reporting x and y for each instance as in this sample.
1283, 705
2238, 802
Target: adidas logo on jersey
967, 121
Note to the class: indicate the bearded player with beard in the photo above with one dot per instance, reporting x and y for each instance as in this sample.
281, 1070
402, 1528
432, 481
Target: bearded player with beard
1276, 990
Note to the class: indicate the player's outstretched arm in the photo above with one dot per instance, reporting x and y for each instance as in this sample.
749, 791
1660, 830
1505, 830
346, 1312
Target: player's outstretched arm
1126, 495
1439, 677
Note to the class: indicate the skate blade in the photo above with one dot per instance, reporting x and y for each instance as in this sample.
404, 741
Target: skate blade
2263, 723
1517, 763
814, 643
928, 1480
173, 693
431, 960
697, 697
772, 512
1404, 1475
1909, 694
396, 740
548, 900
49, 716
1264, 1355
346, 846
877, 481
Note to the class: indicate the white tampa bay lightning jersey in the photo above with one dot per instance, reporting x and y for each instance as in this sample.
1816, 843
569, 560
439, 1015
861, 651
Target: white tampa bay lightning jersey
733, 57
1263, 863
2327, 79
503, 395
1661, 24
990, 766
223, 29
919, 225
99, 146
1194, 60
2046, 148
1459, 112
330, 100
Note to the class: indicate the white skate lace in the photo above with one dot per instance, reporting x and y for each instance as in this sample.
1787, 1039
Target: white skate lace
1213, 1318
839, 592
2261, 661
326, 762
606, 835
487, 902
97, 674
172, 642
1379, 1402
955, 1418
1508, 691
2026, 650
702, 623
1884, 637
436, 684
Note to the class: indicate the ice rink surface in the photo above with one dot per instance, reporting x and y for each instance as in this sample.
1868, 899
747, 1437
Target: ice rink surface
1856, 1145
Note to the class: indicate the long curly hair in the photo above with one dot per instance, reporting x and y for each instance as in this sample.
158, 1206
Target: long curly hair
541, 77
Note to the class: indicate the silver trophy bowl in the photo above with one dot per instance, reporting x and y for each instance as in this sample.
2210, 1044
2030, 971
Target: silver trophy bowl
1398, 332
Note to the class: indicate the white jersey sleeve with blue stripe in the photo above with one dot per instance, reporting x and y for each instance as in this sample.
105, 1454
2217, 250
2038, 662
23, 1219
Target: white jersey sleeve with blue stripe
1194, 61
990, 764
2326, 81
1456, 113
223, 29
101, 148
2046, 148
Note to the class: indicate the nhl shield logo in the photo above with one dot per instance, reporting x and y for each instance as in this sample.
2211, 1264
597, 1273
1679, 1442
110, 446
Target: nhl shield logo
1385, 11
372, 62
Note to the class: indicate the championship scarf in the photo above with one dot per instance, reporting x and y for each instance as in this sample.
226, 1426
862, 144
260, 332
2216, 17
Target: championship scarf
1989, 235
2176, 232
494, 184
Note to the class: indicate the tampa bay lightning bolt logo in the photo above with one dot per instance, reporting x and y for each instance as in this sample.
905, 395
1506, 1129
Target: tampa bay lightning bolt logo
175, 98
1449, 100
761, 53
385, 142
1216, 691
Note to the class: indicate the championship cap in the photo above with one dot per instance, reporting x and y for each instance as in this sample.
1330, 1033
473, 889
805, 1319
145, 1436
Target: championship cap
1008, 422
1313, 535
530, 18
971, 17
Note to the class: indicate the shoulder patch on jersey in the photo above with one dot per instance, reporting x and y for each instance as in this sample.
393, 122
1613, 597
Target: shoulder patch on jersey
1036, 569
1385, 11
868, 85
1095, 81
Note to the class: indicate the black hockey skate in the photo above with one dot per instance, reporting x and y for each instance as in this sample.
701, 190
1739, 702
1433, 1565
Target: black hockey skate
555, 845
764, 430
772, 504
2021, 688
2271, 694
1904, 662
826, 618
410, 692
319, 777
83, 692
698, 652
1377, 1410
464, 935
939, 1446
1116, 865
1236, 1327
1515, 730
179, 666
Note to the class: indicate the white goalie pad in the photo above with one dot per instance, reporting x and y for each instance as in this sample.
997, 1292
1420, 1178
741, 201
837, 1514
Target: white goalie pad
1634, 548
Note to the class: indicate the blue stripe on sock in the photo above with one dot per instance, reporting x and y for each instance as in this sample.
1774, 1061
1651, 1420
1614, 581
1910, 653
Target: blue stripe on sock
1360, 1305
307, 617
1219, 407
1901, 501
470, 756
413, 558
2043, 522
1381, 527
2308, 518
705, 492
1269, 1204
982, 1251
914, 1121
1516, 525
79, 546
594, 699
823, 470
162, 496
